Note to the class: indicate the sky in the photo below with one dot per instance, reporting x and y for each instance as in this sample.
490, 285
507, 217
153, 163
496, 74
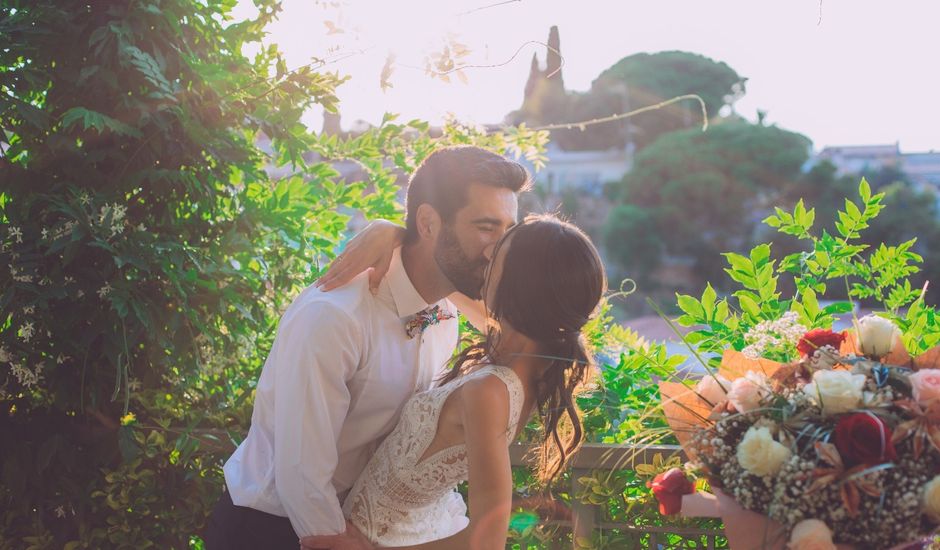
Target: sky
841, 72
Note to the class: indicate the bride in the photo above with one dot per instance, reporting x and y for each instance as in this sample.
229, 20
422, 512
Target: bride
544, 282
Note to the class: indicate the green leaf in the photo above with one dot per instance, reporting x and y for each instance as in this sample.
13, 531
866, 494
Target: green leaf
708, 301
864, 191
749, 305
691, 306
98, 121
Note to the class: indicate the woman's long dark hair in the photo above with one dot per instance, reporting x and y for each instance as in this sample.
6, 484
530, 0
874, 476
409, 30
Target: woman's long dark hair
551, 284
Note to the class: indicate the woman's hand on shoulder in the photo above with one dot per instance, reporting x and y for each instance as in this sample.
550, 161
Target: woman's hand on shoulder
370, 250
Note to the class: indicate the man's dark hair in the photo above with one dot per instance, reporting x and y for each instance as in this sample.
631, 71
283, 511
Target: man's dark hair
444, 177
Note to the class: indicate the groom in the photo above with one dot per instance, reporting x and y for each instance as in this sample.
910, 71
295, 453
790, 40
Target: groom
343, 363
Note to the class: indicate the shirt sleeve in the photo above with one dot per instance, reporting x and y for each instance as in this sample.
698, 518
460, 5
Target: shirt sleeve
318, 347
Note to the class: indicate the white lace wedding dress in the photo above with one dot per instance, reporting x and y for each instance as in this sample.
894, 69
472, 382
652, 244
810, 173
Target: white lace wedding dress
398, 501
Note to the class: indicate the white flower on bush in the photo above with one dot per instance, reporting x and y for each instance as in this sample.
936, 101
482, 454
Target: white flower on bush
876, 336
27, 330
838, 391
931, 499
16, 233
811, 534
759, 453
747, 392
713, 387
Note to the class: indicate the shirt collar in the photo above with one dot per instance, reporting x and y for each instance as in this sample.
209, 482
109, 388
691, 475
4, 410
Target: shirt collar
406, 297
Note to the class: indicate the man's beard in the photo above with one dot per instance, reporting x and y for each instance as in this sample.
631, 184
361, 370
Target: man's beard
464, 273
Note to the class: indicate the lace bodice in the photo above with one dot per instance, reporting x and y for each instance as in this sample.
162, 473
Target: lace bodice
400, 501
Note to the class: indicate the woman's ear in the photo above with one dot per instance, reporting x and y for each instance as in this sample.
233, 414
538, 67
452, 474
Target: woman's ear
428, 222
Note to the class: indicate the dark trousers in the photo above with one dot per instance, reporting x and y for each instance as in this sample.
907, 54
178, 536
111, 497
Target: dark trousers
233, 527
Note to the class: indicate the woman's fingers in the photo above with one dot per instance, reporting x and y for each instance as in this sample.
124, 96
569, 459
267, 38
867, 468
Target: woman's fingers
333, 271
370, 250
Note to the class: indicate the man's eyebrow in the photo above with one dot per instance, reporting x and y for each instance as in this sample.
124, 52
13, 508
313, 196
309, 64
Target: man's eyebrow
485, 220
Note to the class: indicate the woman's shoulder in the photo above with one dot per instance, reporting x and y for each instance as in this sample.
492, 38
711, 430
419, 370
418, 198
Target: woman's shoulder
489, 389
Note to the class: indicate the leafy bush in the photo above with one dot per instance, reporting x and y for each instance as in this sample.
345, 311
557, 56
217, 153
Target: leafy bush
148, 251
878, 275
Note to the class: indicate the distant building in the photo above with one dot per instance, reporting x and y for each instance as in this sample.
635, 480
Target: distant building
922, 168
585, 172
855, 159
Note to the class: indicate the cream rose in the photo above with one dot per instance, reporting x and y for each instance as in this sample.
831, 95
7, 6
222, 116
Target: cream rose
713, 388
747, 392
839, 391
931, 499
759, 453
877, 336
925, 385
811, 534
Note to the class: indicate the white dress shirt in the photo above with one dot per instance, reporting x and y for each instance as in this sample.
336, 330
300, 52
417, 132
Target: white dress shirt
331, 389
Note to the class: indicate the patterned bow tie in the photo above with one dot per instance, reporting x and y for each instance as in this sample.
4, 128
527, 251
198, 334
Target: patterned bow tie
425, 318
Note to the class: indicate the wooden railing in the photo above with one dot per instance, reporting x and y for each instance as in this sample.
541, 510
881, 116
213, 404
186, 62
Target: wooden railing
586, 518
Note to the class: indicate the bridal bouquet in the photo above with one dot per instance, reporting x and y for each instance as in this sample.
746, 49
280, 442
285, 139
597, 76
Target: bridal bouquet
840, 446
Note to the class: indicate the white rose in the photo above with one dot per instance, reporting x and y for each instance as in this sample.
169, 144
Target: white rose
876, 336
811, 534
932, 499
760, 454
747, 392
839, 391
714, 388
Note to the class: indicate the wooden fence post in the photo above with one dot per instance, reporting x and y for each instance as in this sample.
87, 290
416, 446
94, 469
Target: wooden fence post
584, 515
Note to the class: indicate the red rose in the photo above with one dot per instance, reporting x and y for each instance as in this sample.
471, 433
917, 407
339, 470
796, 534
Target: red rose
863, 438
668, 488
817, 338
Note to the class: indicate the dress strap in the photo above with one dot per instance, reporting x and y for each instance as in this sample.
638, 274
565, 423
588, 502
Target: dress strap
516, 393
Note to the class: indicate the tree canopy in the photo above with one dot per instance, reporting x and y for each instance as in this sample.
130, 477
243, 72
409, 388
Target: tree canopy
699, 191
640, 80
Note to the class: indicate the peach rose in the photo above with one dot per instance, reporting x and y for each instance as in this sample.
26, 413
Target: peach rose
811, 534
747, 392
714, 388
925, 385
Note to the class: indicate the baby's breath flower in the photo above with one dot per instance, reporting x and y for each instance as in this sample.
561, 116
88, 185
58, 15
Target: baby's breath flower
769, 335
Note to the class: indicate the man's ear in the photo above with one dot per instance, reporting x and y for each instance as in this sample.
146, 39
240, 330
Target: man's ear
428, 221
